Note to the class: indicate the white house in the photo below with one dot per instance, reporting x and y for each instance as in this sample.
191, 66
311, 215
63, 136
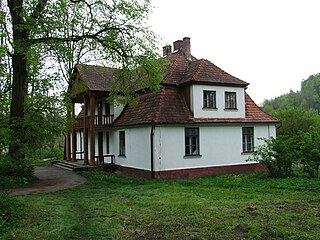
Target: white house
201, 122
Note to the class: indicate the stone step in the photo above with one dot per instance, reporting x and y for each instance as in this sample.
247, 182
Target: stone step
76, 167
64, 165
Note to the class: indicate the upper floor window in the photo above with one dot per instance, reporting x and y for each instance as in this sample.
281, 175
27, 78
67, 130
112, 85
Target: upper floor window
209, 99
122, 143
192, 141
231, 100
247, 139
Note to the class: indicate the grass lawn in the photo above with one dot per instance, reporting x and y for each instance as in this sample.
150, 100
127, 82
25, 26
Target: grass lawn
110, 206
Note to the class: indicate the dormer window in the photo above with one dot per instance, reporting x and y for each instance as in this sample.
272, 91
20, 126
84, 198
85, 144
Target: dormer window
209, 99
230, 100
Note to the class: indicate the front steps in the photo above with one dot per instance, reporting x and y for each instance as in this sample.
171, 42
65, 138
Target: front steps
77, 167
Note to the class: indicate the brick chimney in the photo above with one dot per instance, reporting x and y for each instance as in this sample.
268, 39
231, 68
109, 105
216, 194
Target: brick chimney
186, 47
182, 46
167, 50
177, 45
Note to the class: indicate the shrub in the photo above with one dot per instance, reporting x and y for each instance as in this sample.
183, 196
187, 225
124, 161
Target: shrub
276, 155
14, 172
281, 154
309, 151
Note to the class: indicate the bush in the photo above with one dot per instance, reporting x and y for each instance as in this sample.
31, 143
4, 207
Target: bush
14, 172
309, 151
276, 155
281, 154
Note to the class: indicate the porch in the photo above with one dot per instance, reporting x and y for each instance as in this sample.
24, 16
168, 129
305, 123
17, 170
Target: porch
91, 125
81, 166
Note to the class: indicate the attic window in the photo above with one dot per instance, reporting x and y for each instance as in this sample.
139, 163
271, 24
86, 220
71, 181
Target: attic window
230, 100
209, 99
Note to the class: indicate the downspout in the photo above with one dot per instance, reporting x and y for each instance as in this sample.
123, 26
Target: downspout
151, 148
279, 126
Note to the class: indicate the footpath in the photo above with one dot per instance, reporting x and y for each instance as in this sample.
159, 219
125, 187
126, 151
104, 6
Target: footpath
50, 179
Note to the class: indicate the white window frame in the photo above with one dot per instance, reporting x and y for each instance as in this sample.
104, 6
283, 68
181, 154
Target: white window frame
192, 143
122, 143
230, 100
247, 139
209, 99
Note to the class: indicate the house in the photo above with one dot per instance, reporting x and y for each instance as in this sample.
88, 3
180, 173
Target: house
201, 122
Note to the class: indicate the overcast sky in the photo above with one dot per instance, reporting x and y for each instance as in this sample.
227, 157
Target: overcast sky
272, 44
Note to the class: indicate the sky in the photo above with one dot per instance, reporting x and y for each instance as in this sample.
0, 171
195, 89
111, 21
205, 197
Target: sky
272, 44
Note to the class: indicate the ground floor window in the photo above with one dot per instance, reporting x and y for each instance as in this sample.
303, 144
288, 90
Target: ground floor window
122, 143
247, 139
192, 141
107, 143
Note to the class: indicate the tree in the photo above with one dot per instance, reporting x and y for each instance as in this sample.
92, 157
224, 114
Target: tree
307, 98
113, 30
295, 120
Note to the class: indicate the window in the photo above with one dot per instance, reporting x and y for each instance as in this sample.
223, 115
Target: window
192, 141
107, 142
209, 99
247, 139
231, 100
122, 143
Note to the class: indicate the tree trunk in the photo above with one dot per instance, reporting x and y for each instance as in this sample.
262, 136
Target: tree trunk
19, 65
20, 75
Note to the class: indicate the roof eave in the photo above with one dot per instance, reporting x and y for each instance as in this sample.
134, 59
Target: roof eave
189, 83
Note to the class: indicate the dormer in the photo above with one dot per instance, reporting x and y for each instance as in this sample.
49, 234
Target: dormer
209, 92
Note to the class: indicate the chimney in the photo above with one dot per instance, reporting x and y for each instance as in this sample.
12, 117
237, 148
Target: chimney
177, 45
167, 50
186, 47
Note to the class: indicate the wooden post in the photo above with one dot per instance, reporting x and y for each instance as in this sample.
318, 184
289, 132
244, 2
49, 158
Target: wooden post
68, 153
73, 137
92, 133
85, 131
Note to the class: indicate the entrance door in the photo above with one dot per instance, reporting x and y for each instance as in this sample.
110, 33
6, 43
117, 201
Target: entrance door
100, 147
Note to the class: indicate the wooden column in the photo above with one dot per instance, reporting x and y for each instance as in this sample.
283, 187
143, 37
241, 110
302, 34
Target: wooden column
92, 133
85, 131
73, 137
68, 153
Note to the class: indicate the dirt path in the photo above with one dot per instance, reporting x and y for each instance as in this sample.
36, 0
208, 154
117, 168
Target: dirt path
50, 179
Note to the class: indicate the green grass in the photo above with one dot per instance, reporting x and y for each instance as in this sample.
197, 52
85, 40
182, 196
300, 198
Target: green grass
110, 206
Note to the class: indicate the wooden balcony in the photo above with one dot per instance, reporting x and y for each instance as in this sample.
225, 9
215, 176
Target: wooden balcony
99, 120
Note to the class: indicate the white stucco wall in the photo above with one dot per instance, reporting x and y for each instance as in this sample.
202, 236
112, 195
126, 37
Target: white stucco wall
196, 96
219, 145
116, 110
137, 148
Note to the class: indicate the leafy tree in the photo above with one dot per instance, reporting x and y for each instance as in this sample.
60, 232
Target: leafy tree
295, 120
113, 30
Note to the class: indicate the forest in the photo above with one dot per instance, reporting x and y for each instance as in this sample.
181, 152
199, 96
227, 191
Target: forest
297, 145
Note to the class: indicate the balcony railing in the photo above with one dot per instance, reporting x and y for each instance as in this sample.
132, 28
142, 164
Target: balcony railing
99, 120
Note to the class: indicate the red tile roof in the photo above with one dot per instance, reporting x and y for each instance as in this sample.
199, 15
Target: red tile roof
197, 71
204, 71
97, 78
164, 106
256, 114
